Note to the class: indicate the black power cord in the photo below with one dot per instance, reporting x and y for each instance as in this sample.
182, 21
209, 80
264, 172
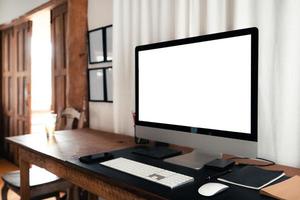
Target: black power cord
137, 140
269, 162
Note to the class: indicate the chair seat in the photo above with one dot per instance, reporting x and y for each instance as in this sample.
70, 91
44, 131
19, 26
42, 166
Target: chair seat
38, 177
43, 184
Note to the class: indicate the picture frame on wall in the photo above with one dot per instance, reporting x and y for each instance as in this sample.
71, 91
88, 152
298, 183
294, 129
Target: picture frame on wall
100, 84
100, 45
109, 84
108, 34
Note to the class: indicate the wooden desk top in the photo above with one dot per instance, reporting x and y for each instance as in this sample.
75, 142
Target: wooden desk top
68, 144
75, 143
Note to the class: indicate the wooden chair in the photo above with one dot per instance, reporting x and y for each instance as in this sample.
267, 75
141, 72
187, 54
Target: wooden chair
44, 184
72, 118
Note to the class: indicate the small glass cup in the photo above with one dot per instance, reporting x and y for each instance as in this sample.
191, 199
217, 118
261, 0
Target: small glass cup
50, 124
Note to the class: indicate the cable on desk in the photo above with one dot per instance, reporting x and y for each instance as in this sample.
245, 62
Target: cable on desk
270, 163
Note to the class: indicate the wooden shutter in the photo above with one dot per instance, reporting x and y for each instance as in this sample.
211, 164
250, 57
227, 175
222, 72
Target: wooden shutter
7, 86
1, 100
23, 78
16, 83
59, 68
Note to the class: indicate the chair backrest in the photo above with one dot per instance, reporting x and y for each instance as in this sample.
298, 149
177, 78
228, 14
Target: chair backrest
71, 115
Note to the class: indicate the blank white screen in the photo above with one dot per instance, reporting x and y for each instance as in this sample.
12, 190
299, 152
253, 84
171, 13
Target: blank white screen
204, 85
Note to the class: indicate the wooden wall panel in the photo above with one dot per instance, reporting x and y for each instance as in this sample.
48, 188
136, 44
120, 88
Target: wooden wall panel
59, 73
16, 79
23, 76
7, 85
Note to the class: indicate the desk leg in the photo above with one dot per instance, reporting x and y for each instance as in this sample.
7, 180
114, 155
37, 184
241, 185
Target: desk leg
24, 172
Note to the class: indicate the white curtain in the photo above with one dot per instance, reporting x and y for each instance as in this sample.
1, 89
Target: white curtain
146, 21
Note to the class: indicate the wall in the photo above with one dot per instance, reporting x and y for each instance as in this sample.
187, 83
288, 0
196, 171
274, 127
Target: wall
11, 9
100, 14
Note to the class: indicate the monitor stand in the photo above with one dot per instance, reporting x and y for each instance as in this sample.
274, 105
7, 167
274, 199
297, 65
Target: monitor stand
157, 151
195, 159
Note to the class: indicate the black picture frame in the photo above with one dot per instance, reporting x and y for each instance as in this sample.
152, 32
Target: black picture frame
100, 45
108, 44
100, 84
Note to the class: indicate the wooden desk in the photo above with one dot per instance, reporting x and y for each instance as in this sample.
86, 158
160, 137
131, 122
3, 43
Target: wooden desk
51, 154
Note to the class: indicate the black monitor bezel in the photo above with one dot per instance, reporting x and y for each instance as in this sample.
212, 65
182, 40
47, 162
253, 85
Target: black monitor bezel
254, 84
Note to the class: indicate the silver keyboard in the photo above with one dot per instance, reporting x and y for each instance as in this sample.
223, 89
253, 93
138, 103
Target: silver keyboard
155, 174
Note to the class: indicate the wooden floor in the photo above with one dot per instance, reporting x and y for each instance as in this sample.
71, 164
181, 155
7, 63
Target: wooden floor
5, 167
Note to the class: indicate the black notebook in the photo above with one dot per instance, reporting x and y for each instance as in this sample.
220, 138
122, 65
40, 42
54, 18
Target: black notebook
251, 177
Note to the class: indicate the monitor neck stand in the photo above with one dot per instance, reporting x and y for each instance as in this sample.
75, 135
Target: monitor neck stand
161, 144
195, 159
156, 152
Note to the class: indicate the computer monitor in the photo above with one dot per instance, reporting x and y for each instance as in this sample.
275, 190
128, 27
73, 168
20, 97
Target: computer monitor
200, 92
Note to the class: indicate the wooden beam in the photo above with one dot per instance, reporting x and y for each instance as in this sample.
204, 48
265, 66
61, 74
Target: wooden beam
77, 53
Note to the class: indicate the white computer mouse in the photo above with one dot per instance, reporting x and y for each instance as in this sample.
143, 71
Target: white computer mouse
210, 189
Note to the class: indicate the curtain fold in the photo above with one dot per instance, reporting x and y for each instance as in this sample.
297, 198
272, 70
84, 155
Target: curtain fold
139, 22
